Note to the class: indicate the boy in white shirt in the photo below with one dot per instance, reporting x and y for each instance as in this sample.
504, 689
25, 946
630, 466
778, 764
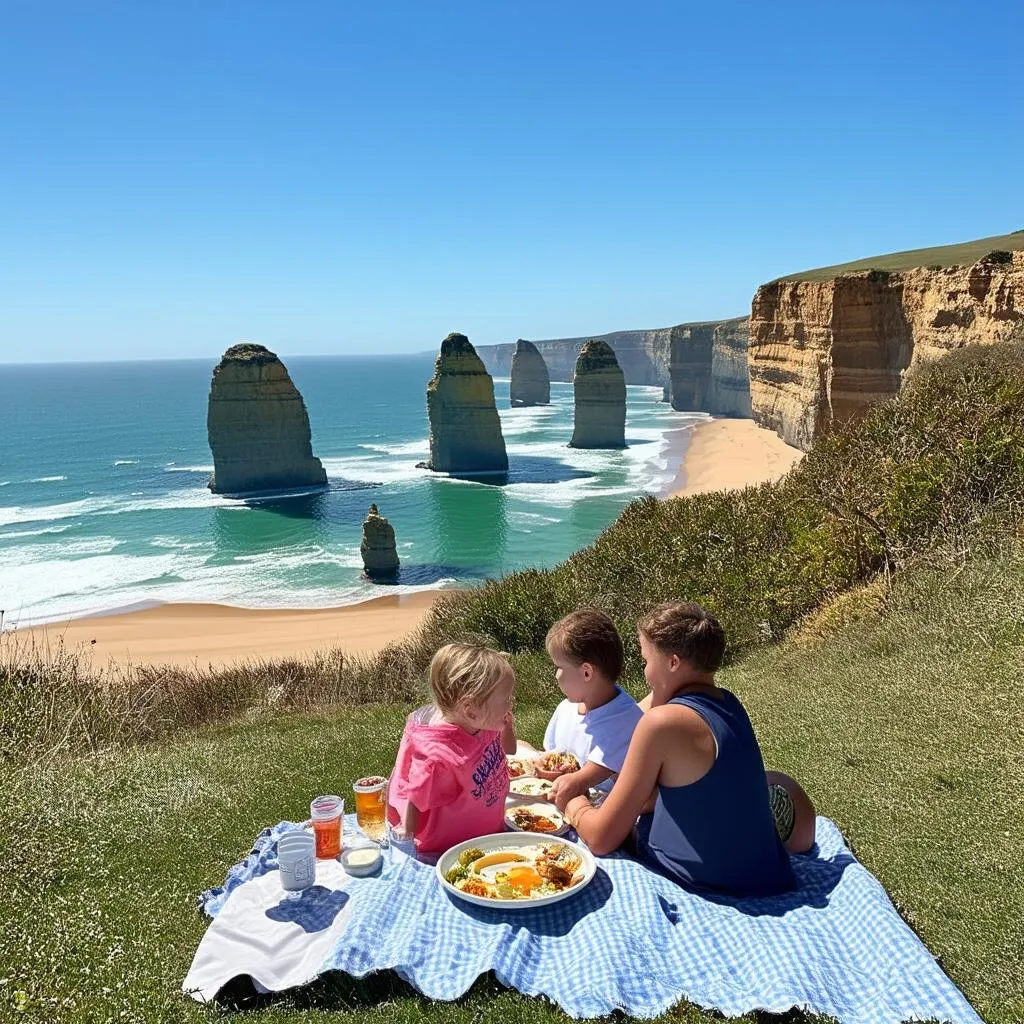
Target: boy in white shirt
596, 720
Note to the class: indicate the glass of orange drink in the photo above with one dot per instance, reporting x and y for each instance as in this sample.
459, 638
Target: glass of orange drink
371, 804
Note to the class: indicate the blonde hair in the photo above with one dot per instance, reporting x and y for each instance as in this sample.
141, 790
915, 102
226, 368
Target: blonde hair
465, 673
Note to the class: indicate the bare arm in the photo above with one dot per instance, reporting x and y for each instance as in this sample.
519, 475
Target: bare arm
604, 828
671, 745
412, 820
578, 783
508, 734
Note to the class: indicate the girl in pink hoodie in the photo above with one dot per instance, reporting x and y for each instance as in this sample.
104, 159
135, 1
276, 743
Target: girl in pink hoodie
451, 778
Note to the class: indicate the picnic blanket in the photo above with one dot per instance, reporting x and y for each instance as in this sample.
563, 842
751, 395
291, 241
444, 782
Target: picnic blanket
631, 941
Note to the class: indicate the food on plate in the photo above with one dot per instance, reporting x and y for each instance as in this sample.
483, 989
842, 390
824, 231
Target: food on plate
530, 787
522, 873
518, 767
558, 761
462, 866
536, 818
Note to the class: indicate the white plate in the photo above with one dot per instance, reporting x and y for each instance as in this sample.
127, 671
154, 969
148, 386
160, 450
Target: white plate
542, 786
513, 841
548, 810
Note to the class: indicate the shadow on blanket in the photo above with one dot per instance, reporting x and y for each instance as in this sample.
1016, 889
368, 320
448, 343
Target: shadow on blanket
817, 878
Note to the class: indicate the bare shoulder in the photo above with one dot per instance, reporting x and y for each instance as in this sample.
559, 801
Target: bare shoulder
676, 718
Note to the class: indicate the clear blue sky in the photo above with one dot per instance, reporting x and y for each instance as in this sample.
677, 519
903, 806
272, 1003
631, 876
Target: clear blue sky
331, 177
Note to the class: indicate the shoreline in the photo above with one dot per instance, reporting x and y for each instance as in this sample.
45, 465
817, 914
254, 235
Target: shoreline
727, 455
188, 635
711, 455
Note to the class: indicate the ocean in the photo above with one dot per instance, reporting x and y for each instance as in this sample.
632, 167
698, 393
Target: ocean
104, 504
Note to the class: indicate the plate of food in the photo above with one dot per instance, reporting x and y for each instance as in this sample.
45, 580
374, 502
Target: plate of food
517, 870
528, 789
518, 767
554, 763
543, 818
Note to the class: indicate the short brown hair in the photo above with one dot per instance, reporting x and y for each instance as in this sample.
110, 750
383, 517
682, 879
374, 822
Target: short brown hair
687, 630
465, 673
588, 635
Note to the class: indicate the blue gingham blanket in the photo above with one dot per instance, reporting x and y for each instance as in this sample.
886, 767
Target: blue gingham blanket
636, 942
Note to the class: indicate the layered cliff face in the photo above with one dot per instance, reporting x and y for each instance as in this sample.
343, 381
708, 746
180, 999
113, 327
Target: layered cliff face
378, 549
530, 384
258, 427
599, 389
823, 352
700, 366
729, 393
465, 431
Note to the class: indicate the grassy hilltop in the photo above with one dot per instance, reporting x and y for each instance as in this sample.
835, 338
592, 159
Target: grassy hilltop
875, 604
961, 254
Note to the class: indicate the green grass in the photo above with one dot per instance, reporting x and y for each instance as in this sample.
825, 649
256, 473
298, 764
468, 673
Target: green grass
961, 254
904, 724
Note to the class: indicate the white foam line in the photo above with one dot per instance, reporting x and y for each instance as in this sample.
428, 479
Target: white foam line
46, 479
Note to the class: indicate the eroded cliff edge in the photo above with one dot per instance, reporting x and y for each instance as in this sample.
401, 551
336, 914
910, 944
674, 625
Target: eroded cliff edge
824, 351
258, 426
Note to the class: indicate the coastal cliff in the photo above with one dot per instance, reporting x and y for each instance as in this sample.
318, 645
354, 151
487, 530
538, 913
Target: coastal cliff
465, 431
646, 358
530, 383
599, 392
821, 352
258, 426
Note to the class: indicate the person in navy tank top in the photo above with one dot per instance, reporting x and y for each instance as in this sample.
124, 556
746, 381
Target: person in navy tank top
693, 792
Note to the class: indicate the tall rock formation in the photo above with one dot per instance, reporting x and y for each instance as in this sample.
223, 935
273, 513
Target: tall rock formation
822, 352
258, 426
380, 554
702, 364
465, 431
530, 383
599, 389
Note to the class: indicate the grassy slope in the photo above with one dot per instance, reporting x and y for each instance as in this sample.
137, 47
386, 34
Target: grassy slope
962, 254
905, 728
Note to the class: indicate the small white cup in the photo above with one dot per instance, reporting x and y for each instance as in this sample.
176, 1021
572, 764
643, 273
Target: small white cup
296, 859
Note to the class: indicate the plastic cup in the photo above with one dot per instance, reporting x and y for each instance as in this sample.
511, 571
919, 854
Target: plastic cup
326, 813
371, 801
296, 860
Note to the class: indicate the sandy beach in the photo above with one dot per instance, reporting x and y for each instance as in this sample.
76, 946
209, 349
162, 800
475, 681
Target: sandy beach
210, 634
729, 454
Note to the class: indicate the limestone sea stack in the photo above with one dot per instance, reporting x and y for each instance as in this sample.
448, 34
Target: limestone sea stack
465, 431
531, 384
380, 555
599, 389
258, 426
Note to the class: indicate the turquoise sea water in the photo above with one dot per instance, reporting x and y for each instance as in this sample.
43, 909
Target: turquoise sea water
104, 504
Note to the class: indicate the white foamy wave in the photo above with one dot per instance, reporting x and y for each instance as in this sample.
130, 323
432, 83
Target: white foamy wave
126, 462
4, 483
418, 447
46, 479
370, 469
113, 505
33, 533
57, 589
173, 467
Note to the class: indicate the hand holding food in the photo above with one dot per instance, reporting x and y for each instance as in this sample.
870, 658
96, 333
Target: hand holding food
565, 787
555, 763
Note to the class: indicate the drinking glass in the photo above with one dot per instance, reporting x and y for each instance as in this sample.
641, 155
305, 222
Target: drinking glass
371, 806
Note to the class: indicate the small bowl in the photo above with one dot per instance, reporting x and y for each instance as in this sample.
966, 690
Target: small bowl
361, 859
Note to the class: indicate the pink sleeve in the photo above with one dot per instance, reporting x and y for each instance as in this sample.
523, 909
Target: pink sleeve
430, 783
